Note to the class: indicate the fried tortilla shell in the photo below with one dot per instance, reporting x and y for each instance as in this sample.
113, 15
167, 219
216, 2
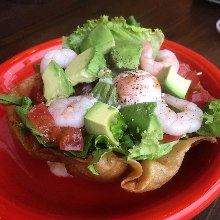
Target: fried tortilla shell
152, 174
110, 167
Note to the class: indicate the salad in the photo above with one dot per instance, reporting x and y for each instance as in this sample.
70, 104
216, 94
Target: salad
113, 105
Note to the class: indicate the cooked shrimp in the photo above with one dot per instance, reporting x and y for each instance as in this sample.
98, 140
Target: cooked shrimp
137, 87
62, 56
69, 112
164, 58
188, 120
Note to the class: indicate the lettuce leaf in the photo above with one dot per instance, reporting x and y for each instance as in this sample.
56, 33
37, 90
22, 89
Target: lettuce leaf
132, 21
119, 127
26, 124
126, 142
211, 120
65, 42
150, 147
23, 105
102, 147
122, 32
23, 101
105, 91
77, 37
129, 34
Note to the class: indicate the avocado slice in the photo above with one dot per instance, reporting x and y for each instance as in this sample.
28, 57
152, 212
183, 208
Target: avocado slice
56, 83
172, 83
141, 118
100, 36
99, 120
126, 57
86, 66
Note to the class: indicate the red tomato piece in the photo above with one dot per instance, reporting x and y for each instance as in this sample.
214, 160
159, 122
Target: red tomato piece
169, 138
187, 73
42, 120
199, 97
192, 75
83, 130
71, 139
36, 94
183, 69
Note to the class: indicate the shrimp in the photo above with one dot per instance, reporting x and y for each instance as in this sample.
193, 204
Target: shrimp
69, 112
62, 56
164, 58
137, 87
188, 120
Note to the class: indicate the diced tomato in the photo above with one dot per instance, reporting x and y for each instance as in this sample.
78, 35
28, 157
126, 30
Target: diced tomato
199, 97
187, 73
83, 130
169, 138
71, 139
36, 94
67, 138
43, 121
196, 93
192, 75
183, 69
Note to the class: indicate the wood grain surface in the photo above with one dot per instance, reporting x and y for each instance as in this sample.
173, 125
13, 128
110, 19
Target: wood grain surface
25, 23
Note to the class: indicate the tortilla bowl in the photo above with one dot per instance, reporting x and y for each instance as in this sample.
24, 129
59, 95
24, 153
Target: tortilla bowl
29, 189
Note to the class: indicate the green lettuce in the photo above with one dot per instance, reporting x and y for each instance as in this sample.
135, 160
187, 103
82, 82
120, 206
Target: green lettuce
23, 105
26, 125
76, 38
65, 42
122, 32
105, 90
97, 63
129, 34
141, 118
101, 37
132, 21
119, 127
150, 147
127, 142
23, 101
211, 120
102, 147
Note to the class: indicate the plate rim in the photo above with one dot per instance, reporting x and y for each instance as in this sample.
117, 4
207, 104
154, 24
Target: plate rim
205, 199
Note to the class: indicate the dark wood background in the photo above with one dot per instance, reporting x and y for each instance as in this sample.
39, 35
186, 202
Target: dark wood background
25, 23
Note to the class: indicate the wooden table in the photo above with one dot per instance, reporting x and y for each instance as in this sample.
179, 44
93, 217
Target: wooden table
25, 23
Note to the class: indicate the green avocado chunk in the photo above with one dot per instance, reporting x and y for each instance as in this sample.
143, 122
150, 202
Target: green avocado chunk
172, 83
126, 57
100, 36
56, 83
103, 119
141, 118
86, 66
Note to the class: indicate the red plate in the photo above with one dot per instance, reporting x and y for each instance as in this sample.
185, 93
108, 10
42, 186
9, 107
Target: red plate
29, 191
